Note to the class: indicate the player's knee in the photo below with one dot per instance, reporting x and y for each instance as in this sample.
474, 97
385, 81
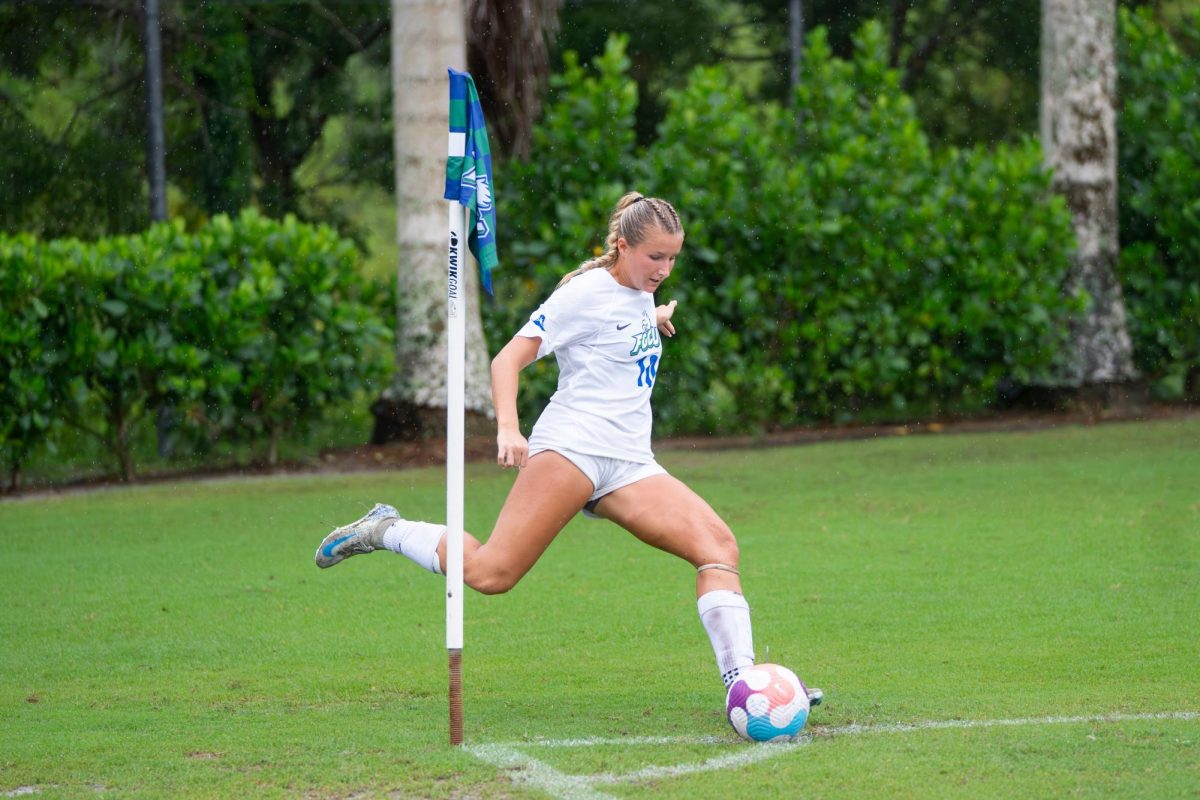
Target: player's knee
494, 579
494, 585
487, 587
721, 546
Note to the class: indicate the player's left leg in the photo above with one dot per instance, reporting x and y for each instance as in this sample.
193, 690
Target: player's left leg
663, 512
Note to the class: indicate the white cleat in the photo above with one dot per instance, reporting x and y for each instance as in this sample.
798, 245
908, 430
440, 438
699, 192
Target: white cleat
353, 539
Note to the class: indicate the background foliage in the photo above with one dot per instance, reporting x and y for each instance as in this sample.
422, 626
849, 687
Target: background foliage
250, 90
243, 330
889, 212
972, 68
830, 267
1160, 203
285, 105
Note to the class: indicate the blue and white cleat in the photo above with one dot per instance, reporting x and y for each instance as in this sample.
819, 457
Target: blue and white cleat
353, 539
815, 697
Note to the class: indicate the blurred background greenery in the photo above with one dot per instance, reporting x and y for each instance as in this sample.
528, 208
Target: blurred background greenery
883, 194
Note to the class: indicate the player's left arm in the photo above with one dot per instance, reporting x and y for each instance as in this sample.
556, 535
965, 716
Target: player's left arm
663, 315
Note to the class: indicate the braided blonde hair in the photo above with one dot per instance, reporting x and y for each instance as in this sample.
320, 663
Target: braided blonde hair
632, 219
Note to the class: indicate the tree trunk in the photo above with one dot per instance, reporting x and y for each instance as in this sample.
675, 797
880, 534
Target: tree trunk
273, 446
427, 37
156, 168
1078, 128
124, 448
900, 9
508, 52
795, 44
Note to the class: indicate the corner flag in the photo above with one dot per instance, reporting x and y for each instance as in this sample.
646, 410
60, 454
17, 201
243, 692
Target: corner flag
469, 190
469, 172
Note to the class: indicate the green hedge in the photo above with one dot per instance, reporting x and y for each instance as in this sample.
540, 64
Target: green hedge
243, 330
833, 263
33, 357
1159, 180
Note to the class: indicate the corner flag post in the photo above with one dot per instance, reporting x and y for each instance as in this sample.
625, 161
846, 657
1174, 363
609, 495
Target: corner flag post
455, 445
471, 220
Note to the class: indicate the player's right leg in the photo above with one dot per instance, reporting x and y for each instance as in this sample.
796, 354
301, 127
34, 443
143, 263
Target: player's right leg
364, 535
547, 493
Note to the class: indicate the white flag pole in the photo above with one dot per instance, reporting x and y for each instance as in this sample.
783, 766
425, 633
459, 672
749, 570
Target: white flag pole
455, 445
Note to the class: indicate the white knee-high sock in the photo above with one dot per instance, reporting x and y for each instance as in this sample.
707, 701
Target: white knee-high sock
726, 617
417, 541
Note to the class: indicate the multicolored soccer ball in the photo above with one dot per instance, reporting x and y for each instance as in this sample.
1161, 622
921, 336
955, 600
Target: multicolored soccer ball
767, 703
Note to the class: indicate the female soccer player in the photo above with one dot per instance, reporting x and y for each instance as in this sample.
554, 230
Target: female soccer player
590, 448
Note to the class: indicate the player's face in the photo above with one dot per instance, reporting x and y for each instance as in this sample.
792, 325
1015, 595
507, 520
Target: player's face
647, 264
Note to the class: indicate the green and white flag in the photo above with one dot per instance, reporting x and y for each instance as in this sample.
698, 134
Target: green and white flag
469, 172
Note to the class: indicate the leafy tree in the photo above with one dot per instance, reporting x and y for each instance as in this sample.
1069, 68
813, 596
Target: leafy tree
249, 88
250, 327
847, 269
971, 68
72, 158
1159, 154
508, 52
32, 356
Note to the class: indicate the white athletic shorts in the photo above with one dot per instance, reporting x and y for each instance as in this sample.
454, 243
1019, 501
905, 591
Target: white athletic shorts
606, 474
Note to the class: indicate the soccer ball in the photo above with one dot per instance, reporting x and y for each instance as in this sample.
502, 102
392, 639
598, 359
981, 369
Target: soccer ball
767, 703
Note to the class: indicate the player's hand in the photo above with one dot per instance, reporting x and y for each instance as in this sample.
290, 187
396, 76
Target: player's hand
512, 450
664, 313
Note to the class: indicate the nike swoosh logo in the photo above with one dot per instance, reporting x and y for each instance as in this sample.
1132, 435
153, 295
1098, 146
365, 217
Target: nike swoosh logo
327, 550
623, 327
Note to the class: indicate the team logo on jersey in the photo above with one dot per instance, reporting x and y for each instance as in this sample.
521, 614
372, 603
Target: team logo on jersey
647, 370
540, 322
647, 338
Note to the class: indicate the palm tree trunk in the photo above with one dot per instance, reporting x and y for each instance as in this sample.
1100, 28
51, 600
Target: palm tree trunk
1079, 137
427, 37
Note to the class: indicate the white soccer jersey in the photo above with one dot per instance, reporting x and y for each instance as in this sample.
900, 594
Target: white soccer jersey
608, 349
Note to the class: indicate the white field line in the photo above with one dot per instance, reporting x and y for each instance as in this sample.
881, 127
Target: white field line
741, 757
539, 775
536, 774
599, 741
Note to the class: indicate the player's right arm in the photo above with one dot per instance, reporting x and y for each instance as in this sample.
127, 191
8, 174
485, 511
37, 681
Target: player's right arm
512, 450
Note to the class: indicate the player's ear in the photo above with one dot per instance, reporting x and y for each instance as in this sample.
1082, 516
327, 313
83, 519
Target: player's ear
622, 245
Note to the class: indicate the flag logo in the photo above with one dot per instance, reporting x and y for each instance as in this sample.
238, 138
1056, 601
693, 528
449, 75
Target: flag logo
482, 187
483, 190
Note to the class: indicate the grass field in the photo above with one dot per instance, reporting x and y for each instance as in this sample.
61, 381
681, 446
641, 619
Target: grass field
177, 641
